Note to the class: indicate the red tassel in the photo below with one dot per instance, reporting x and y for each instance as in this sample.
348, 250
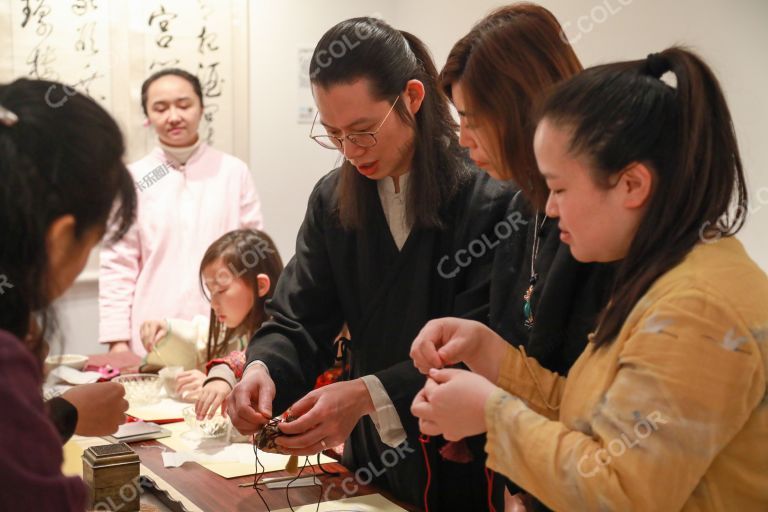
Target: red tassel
457, 451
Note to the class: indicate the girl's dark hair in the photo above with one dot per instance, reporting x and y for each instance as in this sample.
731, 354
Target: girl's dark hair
186, 75
62, 157
246, 253
388, 59
623, 113
508, 61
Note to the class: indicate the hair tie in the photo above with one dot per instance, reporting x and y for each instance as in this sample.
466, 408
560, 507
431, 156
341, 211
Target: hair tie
656, 65
7, 117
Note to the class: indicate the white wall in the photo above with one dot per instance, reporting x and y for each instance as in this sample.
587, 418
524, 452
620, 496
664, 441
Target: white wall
731, 36
78, 315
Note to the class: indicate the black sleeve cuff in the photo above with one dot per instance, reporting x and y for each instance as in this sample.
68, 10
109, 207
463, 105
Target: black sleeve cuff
64, 417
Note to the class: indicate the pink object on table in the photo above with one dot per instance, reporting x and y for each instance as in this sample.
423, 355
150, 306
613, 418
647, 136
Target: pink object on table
107, 372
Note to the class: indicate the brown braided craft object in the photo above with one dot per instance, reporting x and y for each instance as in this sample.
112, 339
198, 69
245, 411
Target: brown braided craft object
265, 438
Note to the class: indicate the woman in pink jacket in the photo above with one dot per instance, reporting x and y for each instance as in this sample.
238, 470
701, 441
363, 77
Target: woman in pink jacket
189, 194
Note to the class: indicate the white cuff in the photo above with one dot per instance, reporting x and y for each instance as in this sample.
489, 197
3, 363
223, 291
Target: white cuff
385, 417
252, 363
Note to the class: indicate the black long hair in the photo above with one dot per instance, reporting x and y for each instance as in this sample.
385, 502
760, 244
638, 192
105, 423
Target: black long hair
59, 158
623, 113
388, 59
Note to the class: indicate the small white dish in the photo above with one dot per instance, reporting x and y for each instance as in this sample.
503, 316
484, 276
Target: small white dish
75, 361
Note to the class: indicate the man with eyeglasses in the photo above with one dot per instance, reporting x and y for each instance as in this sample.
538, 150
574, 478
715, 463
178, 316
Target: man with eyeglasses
367, 256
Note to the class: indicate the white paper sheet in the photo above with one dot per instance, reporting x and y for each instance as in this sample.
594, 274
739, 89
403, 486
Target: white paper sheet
227, 460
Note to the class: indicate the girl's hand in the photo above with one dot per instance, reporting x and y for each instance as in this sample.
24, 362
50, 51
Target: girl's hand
151, 332
213, 396
189, 384
452, 403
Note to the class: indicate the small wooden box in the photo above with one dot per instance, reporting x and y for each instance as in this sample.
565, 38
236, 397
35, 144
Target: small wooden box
111, 472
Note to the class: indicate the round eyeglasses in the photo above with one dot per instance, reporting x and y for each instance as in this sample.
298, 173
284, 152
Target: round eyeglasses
361, 139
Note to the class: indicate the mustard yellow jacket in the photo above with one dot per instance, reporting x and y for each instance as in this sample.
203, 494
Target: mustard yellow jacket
673, 415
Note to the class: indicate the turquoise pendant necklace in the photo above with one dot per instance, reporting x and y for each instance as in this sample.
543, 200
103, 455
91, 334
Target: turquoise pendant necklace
527, 308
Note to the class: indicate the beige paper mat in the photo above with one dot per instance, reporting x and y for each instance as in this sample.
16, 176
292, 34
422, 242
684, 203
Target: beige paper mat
241, 459
165, 409
73, 452
73, 464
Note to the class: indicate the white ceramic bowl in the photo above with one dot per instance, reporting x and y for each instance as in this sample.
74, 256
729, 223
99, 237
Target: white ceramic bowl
217, 427
72, 360
140, 388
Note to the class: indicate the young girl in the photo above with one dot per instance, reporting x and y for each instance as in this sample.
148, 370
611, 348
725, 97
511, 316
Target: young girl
666, 408
239, 272
61, 173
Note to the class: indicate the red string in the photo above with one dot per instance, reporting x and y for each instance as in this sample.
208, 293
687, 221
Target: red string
424, 439
489, 479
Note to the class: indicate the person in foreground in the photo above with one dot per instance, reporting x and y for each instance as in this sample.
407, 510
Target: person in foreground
61, 172
666, 409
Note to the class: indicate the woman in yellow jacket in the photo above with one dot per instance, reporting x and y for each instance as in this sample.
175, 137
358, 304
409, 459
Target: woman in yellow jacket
666, 409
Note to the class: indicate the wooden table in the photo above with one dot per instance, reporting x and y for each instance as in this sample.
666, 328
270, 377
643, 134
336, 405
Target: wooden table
211, 492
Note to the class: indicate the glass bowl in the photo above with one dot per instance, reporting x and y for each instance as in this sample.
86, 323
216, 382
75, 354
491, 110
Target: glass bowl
217, 427
140, 388
168, 376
